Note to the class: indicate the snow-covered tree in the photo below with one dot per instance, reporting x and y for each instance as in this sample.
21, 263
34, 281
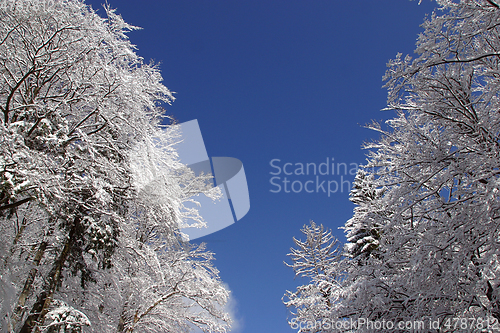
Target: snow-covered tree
438, 165
427, 244
365, 227
157, 282
86, 172
319, 260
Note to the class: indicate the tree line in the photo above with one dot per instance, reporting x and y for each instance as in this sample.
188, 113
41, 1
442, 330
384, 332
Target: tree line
423, 241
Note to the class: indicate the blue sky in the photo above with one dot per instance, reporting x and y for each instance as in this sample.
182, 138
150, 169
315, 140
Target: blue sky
275, 80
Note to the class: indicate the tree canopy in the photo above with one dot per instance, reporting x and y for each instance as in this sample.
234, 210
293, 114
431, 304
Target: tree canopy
92, 193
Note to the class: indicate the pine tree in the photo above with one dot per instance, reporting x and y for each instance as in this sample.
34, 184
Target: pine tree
318, 259
363, 230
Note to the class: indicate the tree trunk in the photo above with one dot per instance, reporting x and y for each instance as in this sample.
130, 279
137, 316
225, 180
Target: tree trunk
19, 310
41, 306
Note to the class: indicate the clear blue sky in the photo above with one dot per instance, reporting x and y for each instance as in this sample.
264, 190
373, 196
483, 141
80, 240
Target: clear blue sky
289, 80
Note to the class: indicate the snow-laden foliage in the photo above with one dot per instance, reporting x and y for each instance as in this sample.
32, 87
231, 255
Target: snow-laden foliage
91, 191
63, 318
364, 228
319, 260
424, 239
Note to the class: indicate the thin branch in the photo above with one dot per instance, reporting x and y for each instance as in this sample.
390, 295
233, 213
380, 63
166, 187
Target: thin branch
17, 203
